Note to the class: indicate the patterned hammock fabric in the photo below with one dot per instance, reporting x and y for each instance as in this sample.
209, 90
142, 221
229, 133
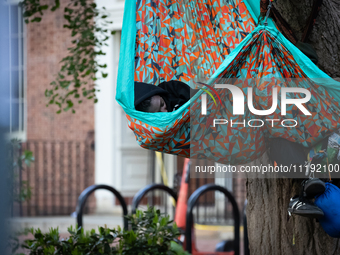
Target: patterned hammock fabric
217, 39
183, 40
263, 57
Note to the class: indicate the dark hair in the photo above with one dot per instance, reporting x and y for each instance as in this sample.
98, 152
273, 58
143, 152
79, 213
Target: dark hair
144, 105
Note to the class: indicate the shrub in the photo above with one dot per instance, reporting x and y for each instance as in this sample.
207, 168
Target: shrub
150, 233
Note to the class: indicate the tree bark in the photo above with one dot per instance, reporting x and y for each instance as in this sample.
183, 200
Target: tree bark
269, 230
325, 35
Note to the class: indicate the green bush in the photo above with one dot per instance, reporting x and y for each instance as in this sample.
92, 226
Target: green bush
150, 233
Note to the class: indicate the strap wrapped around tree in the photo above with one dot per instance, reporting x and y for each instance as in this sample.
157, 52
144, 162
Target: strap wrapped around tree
184, 40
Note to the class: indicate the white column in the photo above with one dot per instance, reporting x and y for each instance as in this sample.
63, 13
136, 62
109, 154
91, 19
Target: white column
104, 130
105, 134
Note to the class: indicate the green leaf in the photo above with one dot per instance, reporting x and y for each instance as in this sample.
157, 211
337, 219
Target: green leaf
43, 7
178, 249
163, 222
155, 219
69, 103
48, 93
67, 17
70, 11
36, 19
56, 5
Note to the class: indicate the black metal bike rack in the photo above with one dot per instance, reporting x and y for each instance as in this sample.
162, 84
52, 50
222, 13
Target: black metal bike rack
141, 193
88, 191
189, 217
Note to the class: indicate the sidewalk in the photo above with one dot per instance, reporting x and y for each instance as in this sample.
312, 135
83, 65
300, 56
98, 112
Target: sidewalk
63, 222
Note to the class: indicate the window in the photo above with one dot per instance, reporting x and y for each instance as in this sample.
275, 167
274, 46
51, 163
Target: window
17, 73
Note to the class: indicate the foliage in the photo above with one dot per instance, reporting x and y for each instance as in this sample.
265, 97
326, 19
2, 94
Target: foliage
32, 7
88, 25
78, 242
178, 249
21, 191
150, 233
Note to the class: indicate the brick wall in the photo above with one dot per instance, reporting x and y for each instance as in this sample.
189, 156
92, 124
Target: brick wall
63, 144
47, 43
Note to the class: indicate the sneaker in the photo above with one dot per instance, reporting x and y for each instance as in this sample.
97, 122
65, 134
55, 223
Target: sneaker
313, 187
304, 207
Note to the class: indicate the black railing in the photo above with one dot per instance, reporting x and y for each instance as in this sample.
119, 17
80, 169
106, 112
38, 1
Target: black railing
212, 206
88, 191
60, 172
152, 187
189, 217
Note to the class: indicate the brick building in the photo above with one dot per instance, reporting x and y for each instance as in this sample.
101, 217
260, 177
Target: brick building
62, 144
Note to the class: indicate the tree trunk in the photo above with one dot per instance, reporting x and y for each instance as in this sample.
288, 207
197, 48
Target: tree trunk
325, 35
269, 230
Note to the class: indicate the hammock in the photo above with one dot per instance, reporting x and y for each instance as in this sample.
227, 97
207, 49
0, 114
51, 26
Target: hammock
184, 40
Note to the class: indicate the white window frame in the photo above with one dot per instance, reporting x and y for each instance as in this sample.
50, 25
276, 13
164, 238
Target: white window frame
20, 134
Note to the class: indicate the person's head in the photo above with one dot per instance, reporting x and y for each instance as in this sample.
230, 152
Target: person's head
152, 104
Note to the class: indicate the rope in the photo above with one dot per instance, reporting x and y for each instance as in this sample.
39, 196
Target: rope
311, 20
268, 12
267, 7
163, 173
283, 26
162, 168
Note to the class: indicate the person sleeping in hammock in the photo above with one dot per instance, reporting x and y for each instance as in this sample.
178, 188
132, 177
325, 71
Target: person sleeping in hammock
166, 97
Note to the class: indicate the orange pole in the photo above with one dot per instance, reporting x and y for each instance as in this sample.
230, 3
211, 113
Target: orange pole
181, 208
